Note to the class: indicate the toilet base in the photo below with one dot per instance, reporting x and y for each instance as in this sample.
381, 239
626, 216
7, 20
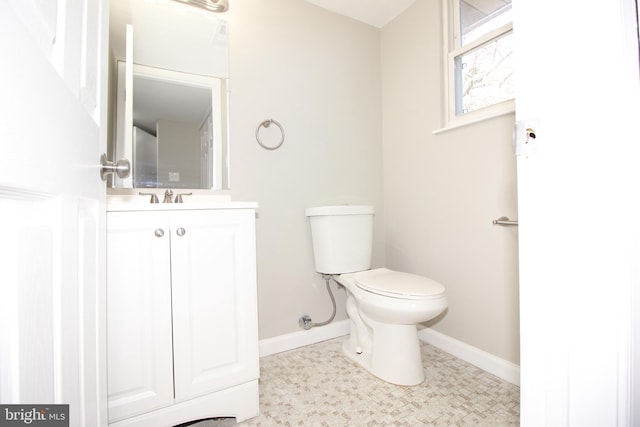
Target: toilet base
394, 355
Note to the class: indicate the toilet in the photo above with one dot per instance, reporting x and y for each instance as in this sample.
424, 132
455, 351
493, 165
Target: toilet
384, 306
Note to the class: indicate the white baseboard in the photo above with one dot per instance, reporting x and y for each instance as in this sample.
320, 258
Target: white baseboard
501, 368
302, 338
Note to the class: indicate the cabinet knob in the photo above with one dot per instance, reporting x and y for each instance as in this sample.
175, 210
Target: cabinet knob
159, 232
180, 231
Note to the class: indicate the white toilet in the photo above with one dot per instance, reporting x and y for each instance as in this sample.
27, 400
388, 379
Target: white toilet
384, 306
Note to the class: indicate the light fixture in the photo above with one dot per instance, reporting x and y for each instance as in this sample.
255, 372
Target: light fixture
217, 6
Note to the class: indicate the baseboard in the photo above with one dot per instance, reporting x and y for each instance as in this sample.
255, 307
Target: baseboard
501, 368
302, 338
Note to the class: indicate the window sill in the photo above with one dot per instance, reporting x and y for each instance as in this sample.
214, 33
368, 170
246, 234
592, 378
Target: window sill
508, 107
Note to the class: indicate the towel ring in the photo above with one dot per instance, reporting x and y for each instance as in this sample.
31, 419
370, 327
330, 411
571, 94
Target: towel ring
266, 124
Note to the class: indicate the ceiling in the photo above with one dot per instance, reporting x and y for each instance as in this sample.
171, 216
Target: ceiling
380, 12
373, 12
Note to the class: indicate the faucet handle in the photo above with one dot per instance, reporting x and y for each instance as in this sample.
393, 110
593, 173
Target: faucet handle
154, 197
179, 197
168, 196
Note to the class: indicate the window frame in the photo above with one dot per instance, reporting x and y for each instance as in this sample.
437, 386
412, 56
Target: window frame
452, 48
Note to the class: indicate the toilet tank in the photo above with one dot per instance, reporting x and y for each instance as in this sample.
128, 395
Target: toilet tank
342, 238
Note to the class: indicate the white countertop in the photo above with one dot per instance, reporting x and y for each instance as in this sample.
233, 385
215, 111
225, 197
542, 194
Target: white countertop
129, 202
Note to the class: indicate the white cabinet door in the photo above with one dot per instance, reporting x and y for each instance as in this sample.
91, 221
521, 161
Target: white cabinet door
214, 300
140, 376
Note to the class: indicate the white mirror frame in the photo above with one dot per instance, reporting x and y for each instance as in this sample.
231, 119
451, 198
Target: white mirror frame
124, 140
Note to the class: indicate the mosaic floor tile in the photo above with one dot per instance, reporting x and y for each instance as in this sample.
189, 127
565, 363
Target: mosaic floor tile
317, 386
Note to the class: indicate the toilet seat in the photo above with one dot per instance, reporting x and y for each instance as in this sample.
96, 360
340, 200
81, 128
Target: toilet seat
383, 281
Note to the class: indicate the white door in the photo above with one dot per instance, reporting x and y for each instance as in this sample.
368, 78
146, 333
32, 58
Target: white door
579, 211
51, 205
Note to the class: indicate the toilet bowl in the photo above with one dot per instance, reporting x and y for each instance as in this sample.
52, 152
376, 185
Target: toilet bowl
384, 306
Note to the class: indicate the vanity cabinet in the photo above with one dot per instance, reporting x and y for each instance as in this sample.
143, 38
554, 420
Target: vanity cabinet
181, 315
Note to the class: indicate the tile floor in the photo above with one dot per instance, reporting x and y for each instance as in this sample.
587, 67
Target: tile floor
317, 386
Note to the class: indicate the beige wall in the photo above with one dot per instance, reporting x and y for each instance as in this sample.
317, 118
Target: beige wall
441, 192
346, 93
318, 74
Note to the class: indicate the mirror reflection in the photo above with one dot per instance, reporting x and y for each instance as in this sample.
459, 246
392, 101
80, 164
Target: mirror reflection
175, 130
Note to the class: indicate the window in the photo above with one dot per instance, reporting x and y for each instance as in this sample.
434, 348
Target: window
480, 64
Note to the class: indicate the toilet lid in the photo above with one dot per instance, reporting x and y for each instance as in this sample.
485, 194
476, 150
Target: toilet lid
397, 284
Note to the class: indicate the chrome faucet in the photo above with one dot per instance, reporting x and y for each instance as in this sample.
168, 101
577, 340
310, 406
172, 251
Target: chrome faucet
179, 197
168, 196
154, 198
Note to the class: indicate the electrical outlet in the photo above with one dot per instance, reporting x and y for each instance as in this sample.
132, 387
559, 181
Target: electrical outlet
174, 176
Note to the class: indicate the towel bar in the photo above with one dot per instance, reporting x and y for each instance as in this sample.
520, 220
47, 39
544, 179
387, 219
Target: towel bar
504, 220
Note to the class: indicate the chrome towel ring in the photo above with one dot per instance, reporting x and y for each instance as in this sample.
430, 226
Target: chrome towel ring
266, 124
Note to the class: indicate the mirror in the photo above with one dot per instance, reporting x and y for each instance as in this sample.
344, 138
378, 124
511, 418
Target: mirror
175, 131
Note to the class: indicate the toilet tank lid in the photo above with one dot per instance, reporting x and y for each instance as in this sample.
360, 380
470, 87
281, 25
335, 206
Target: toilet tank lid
340, 210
